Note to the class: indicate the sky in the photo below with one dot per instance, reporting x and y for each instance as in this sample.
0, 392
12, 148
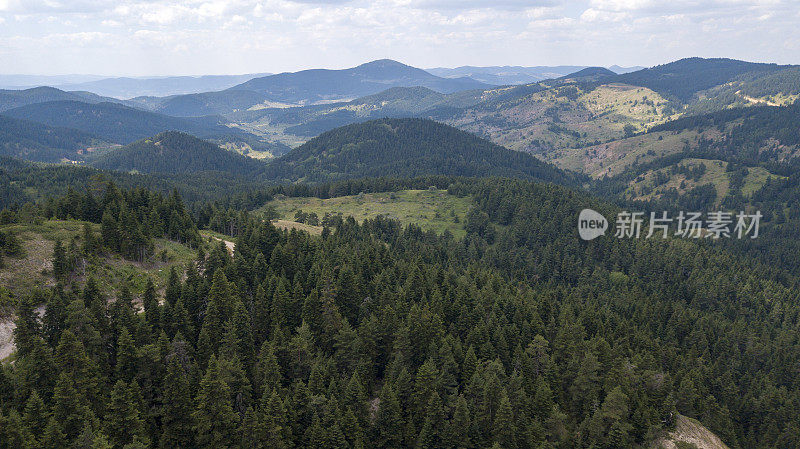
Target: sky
193, 37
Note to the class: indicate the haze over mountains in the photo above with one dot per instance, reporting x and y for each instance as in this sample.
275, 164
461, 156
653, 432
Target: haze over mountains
507, 75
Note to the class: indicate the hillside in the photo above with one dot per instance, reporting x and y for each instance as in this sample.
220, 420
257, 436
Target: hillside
37, 142
688, 434
117, 123
204, 103
404, 147
176, 153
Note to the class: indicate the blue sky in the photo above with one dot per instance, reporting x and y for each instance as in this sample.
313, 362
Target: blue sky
162, 37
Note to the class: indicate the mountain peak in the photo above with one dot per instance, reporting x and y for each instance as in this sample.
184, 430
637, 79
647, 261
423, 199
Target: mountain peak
384, 64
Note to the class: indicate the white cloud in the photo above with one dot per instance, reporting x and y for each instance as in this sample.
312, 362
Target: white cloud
212, 36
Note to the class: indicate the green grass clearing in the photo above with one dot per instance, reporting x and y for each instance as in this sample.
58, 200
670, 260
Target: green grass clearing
433, 210
34, 269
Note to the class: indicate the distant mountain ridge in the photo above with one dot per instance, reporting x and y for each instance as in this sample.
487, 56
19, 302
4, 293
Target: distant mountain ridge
115, 122
309, 87
10, 99
514, 75
365, 79
128, 87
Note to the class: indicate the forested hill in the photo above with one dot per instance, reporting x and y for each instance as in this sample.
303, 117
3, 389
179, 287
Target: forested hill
370, 335
761, 134
38, 142
684, 78
115, 122
404, 148
176, 153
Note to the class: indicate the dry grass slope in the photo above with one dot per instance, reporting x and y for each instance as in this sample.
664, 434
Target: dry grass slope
691, 432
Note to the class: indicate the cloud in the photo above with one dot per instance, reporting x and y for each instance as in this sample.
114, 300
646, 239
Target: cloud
478, 4
213, 36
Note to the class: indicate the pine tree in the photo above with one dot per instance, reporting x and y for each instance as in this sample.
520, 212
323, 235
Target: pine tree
215, 421
27, 329
36, 414
459, 429
152, 313
267, 373
275, 431
127, 360
388, 421
89, 242
81, 371
425, 384
71, 407
431, 436
504, 430
109, 231
60, 264
55, 315
123, 422
177, 423
15, 434
53, 436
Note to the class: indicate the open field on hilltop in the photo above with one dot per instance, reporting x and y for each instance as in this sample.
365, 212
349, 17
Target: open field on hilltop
34, 269
433, 210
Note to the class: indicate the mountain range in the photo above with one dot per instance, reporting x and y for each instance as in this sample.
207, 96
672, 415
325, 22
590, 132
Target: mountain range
511, 75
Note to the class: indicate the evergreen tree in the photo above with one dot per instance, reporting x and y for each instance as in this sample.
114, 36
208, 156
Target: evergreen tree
123, 422
388, 421
215, 421
53, 436
60, 264
177, 415
150, 304
36, 414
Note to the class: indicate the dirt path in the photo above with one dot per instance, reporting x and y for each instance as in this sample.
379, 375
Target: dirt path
756, 100
228, 244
